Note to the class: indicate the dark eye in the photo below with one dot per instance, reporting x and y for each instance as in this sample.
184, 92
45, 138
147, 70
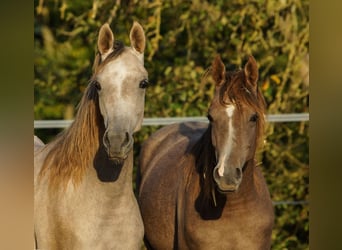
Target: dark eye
97, 86
143, 84
253, 118
210, 118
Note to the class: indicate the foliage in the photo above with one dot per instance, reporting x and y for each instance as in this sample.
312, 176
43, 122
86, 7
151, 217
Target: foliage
182, 39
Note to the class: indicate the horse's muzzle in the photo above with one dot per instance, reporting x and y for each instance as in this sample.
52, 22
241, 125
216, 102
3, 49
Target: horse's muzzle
229, 182
118, 145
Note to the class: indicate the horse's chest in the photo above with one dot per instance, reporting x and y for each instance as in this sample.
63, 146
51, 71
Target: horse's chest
233, 230
119, 229
99, 222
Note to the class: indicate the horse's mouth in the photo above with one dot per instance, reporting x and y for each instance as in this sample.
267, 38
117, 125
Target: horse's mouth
117, 157
227, 190
226, 184
118, 161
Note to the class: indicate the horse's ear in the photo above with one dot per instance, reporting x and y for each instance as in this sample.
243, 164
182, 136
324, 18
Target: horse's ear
218, 70
251, 71
137, 37
106, 39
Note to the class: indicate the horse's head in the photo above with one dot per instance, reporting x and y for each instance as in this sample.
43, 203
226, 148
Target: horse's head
236, 116
120, 79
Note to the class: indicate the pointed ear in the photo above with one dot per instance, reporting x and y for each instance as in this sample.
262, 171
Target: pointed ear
218, 70
106, 39
137, 37
251, 71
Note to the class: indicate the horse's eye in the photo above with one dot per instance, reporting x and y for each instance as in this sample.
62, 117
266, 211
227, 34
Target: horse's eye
143, 84
253, 118
210, 118
97, 86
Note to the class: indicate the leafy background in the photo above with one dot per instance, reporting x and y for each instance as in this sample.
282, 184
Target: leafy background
182, 39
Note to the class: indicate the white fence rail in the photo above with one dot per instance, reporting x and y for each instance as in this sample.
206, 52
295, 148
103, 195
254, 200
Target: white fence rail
46, 124
40, 124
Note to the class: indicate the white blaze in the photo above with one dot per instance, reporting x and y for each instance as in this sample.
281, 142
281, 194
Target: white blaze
230, 111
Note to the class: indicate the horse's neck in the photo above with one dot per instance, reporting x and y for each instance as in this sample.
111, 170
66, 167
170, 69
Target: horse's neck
105, 175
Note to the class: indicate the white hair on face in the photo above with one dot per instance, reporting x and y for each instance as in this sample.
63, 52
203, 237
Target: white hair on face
230, 111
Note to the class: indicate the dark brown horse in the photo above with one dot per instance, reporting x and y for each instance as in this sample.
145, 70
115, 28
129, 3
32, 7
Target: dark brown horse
200, 186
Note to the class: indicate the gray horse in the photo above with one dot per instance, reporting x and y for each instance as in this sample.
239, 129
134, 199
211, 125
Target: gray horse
83, 179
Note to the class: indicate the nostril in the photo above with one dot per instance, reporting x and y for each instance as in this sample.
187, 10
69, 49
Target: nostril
126, 140
127, 137
106, 140
215, 174
238, 173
